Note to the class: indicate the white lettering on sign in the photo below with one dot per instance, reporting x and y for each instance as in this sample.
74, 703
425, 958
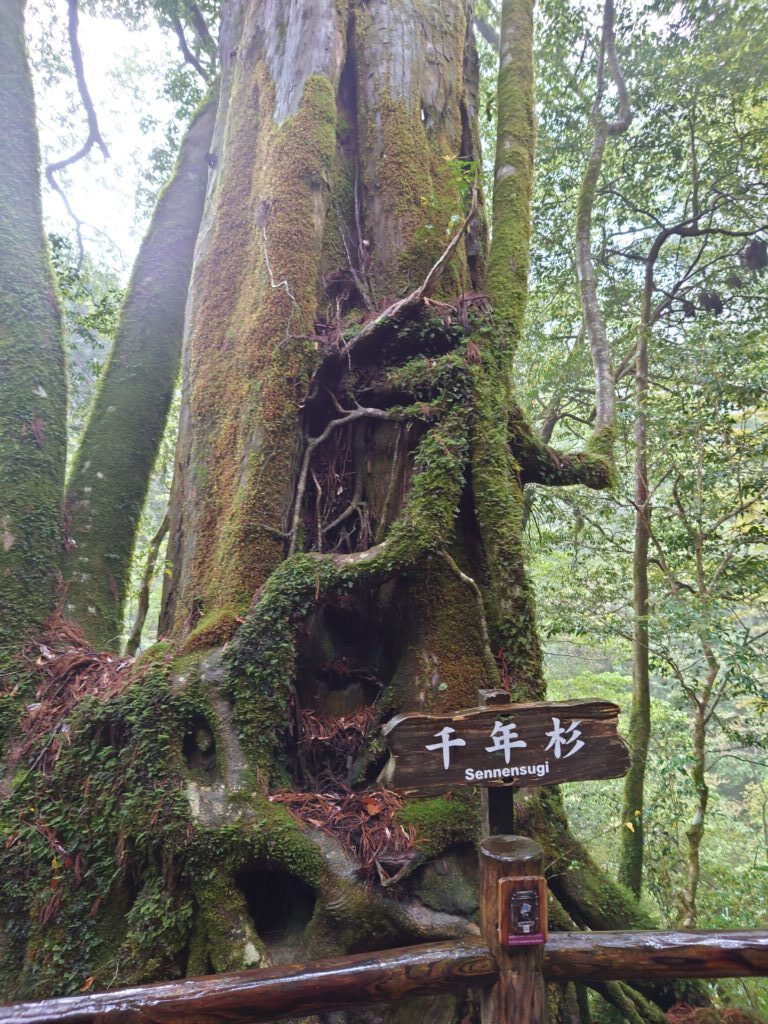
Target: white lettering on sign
563, 738
445, 744
505, 738
512, 772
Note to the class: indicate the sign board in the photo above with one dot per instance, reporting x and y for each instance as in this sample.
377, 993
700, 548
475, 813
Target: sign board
537, 744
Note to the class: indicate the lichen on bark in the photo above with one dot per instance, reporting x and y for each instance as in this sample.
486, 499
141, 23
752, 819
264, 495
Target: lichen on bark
33, 409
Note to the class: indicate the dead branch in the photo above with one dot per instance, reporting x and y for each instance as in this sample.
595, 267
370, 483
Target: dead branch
412, 304
314, 442
94, 133
364, 823
149, 572
70, 670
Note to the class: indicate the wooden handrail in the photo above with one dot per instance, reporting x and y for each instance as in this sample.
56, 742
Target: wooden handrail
297, 989
275, 992
652, 955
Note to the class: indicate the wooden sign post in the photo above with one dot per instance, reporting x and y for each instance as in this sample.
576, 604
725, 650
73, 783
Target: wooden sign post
518, 744
501, 746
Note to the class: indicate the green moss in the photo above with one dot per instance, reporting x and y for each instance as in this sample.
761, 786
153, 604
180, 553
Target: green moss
441, 822
498, 494
261, 658
156, 656
507, 281
33, 409
96, 833
213, 630
253, 350
417, 189
267, 836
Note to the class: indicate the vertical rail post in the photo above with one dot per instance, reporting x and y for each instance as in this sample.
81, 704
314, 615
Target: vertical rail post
519, 995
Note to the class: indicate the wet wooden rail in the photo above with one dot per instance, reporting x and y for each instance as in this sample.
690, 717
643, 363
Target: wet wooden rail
301, 989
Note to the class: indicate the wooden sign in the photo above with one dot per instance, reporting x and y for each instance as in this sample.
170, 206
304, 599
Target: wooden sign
516, 744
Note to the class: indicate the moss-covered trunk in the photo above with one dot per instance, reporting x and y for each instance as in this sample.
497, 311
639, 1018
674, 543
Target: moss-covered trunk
111, 472
33, 406
345, 533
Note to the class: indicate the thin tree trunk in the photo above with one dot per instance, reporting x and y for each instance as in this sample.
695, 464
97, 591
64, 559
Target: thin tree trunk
33, 406
146, 585
695, 831
632, 836
113, 466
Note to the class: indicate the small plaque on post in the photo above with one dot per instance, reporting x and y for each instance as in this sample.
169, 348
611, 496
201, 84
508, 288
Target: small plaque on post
522, 911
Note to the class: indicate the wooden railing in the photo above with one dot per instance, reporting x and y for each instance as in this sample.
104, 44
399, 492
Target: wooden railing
511, 979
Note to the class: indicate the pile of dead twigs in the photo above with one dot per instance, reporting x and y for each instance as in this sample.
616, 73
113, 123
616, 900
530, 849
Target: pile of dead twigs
364, 823
70, 669
329, 745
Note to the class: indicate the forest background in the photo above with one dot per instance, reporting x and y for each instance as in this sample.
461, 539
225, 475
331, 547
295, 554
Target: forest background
696, 151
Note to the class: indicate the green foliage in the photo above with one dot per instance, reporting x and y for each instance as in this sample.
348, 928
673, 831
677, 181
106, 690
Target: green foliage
733, 890
441, 822
91, 300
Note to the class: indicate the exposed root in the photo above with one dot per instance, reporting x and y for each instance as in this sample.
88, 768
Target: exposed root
633, 1007
349, 415
489, 658
403, 309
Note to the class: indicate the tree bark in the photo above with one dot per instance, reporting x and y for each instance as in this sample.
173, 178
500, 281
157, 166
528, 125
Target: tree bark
632, 836
110, 475
33, 409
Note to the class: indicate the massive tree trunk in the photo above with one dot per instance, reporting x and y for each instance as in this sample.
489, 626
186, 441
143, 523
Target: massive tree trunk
345, 532
33, 406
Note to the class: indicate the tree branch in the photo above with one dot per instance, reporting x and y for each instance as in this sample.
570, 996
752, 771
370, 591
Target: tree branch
94, 134
202, 31
488, 32
542, 464
149, 572
186, 53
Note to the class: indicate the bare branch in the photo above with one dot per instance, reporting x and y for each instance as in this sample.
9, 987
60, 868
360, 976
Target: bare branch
94, 134
488, 32
186, 53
